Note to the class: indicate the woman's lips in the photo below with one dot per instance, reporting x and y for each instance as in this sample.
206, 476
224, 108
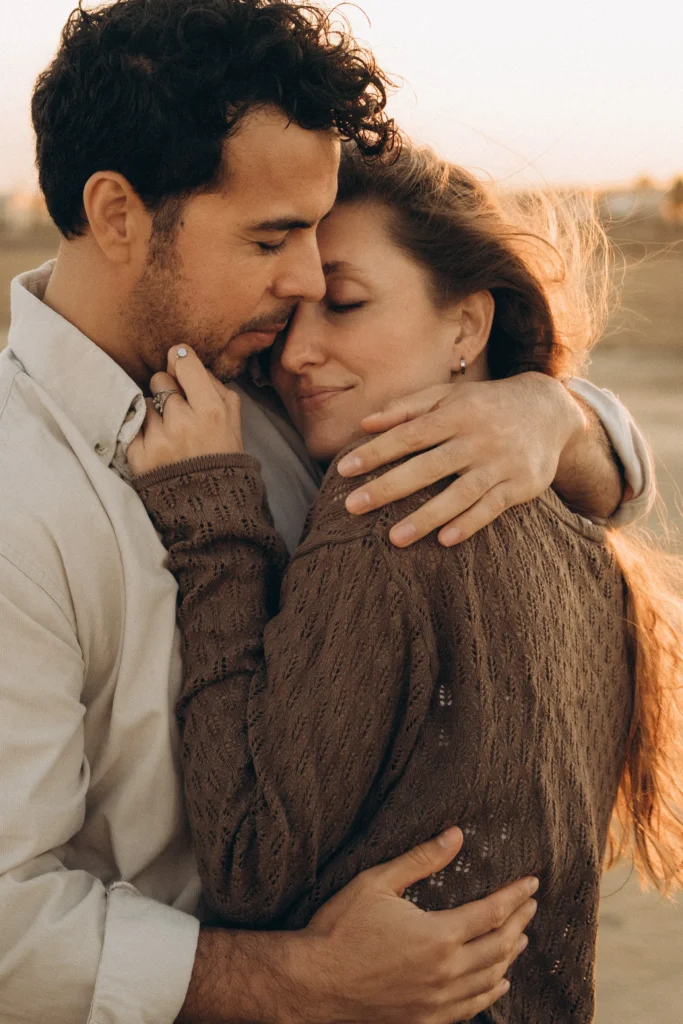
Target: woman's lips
313, 398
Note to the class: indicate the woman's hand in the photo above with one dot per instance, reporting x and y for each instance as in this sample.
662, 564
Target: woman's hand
200, 417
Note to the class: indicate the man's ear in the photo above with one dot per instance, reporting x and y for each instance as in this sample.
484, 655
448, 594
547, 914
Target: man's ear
116, 215
474, 316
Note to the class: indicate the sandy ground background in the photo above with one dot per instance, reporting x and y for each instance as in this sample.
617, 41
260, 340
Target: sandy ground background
640, 945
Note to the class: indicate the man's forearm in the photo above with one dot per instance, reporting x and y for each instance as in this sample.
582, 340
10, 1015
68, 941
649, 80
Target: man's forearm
590, 477
242, 976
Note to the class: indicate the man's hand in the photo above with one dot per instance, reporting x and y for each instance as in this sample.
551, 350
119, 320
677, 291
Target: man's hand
368, 955
505, 440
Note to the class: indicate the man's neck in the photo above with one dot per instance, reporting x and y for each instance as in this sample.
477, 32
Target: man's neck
85, 293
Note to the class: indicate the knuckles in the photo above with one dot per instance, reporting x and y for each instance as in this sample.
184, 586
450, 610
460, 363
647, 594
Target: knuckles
413, 436
502, 952
497, 915
479, 482
441, 463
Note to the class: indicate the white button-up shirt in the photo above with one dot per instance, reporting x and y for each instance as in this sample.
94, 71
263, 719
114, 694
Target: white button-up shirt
98, 886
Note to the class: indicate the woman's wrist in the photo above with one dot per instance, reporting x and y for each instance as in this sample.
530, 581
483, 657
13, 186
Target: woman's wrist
195, 464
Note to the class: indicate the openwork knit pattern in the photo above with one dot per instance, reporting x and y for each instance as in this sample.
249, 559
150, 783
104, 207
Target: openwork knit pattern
397, 693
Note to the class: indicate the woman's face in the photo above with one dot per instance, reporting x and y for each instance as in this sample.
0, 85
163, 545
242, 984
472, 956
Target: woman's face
376, 335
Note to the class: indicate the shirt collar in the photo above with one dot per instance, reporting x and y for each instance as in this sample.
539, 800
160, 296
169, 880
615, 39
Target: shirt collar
93, 390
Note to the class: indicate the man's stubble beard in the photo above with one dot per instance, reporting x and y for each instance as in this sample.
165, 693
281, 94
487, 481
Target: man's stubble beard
158, 316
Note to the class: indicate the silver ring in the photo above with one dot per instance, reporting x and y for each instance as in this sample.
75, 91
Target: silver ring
161, 398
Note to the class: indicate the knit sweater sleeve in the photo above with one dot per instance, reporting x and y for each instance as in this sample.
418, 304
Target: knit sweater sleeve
289, 721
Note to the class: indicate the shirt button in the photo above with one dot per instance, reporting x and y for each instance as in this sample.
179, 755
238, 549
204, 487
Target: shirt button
100, 448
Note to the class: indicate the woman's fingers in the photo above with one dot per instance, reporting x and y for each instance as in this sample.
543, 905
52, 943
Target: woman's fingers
139, 449
193, 377
223, 392
163, 381
200, 417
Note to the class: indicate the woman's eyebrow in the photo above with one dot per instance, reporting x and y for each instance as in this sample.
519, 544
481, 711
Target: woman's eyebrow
332, 268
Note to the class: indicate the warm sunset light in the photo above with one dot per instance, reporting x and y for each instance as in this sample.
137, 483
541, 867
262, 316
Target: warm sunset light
585, 93
341, 494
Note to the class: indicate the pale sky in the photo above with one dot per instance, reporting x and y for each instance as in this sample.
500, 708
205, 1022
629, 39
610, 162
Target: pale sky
583, 92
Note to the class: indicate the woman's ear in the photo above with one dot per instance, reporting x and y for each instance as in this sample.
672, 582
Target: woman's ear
116, 215
475, 316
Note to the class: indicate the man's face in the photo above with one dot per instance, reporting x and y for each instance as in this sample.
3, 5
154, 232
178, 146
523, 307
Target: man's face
228, 277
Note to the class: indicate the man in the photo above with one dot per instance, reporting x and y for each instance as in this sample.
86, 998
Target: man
187, 151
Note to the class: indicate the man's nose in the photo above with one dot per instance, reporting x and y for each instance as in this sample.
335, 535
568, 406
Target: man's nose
301, 348
301, 276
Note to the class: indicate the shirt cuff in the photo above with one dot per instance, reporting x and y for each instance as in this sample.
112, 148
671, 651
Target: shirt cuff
147, 959
630, 447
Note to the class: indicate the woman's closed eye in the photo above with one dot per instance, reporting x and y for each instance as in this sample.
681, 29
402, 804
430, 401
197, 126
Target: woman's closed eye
345, 307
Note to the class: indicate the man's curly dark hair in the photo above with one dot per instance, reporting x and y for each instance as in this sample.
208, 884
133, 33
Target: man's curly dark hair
152, 88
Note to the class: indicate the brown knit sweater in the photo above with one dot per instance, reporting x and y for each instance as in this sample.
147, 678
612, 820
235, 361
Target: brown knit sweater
395, 693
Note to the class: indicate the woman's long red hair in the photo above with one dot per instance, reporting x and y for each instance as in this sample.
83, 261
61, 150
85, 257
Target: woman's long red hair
547, 263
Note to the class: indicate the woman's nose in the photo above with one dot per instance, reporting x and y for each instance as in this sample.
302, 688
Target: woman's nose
301, 348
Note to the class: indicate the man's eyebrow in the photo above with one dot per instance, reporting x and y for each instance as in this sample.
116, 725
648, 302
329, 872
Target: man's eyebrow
281, 224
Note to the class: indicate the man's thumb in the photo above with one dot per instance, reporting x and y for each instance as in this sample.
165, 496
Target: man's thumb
421, 862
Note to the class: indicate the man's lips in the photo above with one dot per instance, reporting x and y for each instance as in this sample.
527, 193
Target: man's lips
312, 398
264, 336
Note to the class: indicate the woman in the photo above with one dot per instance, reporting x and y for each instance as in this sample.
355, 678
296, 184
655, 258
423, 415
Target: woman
495, 685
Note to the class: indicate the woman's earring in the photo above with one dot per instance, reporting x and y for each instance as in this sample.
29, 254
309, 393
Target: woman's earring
463, 366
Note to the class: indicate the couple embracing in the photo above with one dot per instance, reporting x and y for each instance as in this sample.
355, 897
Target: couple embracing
298, 724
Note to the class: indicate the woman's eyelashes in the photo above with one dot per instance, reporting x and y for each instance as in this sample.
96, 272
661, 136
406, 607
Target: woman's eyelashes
344, 307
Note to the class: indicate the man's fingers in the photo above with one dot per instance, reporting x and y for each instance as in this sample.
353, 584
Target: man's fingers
501, 946
409, 477
193, 377
406, 408
471, 1007
479, 515
473, 920
396, 875
414, 436
487, 980
441, 509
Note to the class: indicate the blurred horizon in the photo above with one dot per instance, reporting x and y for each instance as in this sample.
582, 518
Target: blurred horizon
580, 95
